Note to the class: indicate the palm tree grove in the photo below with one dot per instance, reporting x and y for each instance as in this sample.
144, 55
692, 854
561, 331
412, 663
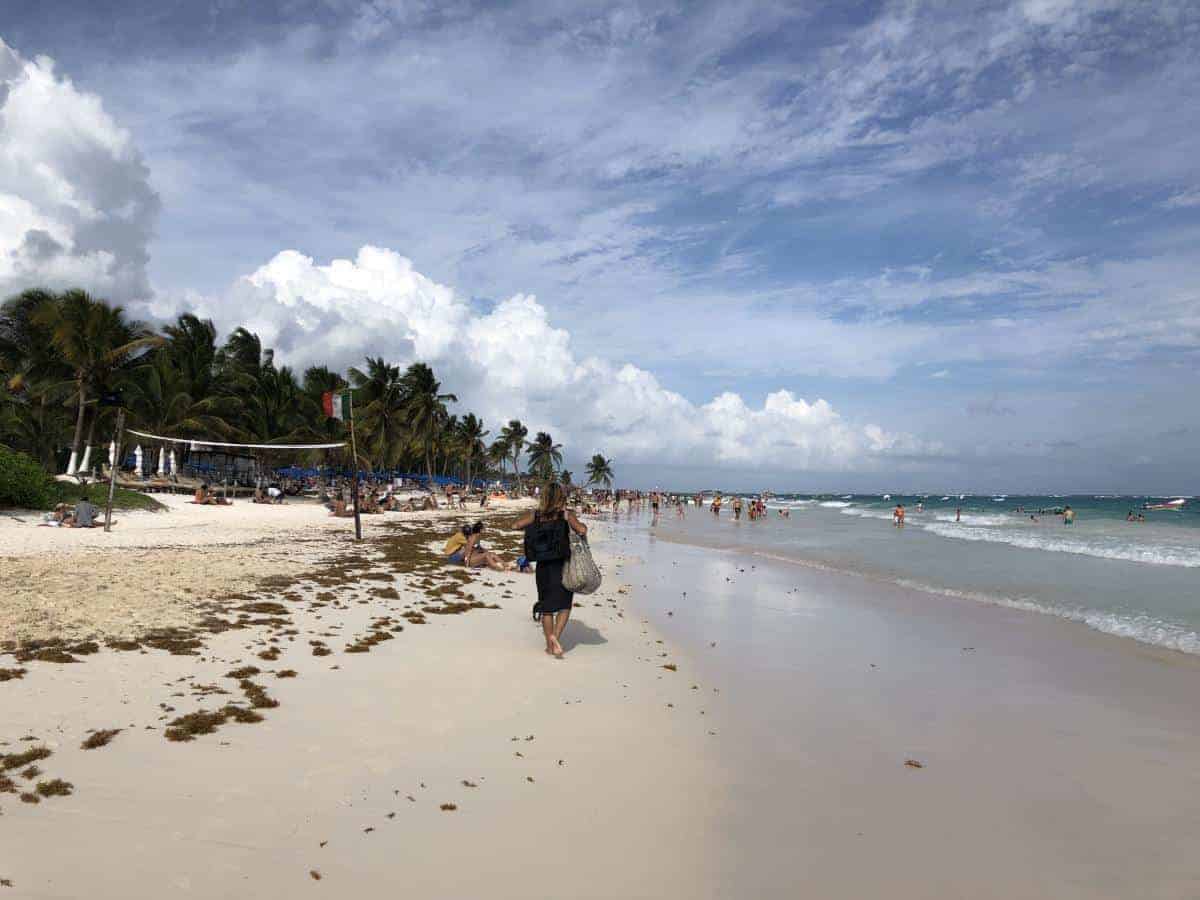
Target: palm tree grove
69, 361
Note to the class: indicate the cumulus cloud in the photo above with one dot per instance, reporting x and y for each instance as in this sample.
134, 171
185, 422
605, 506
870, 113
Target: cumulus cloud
510, 361
76, 207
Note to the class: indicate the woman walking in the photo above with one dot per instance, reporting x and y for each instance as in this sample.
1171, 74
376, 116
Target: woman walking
547, 541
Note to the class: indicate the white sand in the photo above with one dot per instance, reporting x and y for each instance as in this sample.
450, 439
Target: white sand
151, 569
618, 804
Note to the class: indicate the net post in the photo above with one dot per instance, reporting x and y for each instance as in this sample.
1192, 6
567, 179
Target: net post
354, 452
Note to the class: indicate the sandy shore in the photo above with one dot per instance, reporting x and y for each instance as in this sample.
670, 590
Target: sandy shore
154, 568
453, 758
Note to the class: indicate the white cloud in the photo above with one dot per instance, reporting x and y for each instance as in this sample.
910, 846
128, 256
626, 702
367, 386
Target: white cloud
1183, 199
510, 361
76, 208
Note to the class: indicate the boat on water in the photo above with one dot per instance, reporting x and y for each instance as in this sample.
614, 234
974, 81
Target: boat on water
1176, 504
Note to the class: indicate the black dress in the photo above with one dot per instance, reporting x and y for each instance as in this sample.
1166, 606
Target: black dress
552, 596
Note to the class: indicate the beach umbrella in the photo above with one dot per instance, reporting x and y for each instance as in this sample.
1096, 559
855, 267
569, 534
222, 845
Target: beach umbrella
137, 460
171, 462
162, 460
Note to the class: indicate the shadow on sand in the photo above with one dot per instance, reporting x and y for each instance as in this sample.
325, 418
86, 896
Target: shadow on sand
577, 633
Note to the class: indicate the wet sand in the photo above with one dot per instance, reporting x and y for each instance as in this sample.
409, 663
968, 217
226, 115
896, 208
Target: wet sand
1057, 762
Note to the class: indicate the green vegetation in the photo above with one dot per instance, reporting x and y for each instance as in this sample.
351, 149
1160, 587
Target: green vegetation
67, 492
61, 354
23, 483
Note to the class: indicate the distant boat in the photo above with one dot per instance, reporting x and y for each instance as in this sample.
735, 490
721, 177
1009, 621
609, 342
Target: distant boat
945, 498
1000, 499
1175, 504
887, 496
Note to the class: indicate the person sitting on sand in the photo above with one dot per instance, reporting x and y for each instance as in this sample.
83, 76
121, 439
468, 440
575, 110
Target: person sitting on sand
85, 514
341, 510
464, 549
259, 496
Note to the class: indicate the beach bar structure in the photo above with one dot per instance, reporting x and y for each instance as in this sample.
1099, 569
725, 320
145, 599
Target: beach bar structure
220, 464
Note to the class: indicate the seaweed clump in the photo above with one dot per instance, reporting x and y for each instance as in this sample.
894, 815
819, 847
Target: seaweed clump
100, 738
11, 674
243, 672
11, 761
55, 788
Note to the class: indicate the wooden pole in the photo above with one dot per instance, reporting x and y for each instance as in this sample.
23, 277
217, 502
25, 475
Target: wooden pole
355, 491
112, 472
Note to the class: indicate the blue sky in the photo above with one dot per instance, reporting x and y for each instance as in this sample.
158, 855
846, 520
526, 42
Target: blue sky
972, 230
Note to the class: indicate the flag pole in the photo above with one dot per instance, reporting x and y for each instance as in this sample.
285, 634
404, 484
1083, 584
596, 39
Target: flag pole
354, 450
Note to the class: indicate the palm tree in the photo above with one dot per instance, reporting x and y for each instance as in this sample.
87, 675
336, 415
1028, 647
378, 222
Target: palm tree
160, 398
564, 478
498, 454
425, 407
545, 456
600, 471
95, 341
34, 380
273, 405
380, 394
470, 439
513, 434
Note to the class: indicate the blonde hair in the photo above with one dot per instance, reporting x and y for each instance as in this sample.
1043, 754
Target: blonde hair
553, 499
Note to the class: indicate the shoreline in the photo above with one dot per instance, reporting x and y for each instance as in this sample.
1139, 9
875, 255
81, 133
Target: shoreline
1139, 629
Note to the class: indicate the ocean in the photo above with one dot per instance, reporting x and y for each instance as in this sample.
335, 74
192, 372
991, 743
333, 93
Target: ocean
1139, 580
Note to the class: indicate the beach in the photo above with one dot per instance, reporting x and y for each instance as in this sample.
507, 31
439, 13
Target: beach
723, 725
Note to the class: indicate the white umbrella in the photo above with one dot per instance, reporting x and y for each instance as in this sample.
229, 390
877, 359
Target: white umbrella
112, 454
162, 460
171, 463
137, 460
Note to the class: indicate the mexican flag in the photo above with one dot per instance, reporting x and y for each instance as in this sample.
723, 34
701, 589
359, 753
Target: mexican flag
337, 404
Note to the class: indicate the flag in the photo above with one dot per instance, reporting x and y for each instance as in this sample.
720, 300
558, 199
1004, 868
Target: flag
337, 404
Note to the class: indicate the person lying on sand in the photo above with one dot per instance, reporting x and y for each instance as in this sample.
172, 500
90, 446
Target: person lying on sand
340, 510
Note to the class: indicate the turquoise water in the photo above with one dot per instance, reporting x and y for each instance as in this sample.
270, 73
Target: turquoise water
1139, 580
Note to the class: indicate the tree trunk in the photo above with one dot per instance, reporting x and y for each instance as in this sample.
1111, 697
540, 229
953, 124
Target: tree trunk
85, 462
78, 431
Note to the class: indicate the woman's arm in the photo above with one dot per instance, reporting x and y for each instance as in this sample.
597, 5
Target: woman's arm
522, 523
578, 527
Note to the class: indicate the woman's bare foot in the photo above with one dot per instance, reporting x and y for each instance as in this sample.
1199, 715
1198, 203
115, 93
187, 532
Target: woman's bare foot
558, 650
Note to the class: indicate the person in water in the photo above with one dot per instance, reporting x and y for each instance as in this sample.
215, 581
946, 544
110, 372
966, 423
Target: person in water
1068, 516
898, 515
554, 601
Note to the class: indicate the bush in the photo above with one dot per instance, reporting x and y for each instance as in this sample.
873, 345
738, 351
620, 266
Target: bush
23, 483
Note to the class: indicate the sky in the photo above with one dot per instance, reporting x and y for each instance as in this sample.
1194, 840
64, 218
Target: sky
798, 246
